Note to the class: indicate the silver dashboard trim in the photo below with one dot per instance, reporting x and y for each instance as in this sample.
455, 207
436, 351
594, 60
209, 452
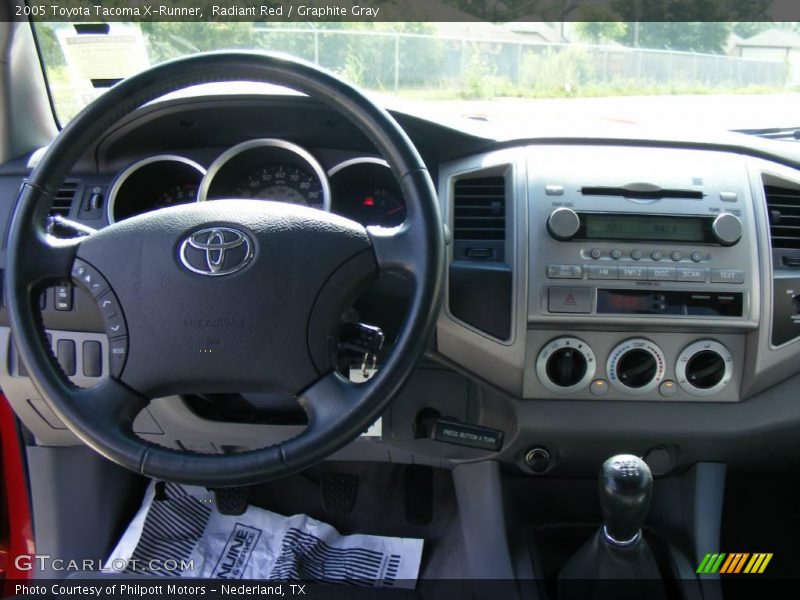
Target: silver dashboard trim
120, 179
359, 160
234, 151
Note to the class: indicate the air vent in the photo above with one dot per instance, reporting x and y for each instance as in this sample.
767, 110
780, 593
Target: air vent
65, 196
783, 207
479, 209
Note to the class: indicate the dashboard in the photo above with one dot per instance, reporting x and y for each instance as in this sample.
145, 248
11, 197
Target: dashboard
362, 188
602, 292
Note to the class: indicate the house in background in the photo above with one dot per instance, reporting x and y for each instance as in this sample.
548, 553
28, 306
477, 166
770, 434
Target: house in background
775, 44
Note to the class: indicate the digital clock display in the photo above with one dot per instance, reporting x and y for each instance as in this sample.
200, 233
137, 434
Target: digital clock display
658, 228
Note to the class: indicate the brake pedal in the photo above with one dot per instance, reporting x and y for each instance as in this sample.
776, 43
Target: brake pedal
232, 501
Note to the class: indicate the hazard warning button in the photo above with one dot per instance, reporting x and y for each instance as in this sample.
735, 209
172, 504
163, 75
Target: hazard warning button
569, 299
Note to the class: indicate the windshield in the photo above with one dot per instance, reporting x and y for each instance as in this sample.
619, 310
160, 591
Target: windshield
630, 73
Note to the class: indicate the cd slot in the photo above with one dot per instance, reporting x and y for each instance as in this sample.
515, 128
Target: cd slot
643, 192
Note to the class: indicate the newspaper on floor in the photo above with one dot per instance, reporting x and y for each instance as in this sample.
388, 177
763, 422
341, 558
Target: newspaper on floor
181, 534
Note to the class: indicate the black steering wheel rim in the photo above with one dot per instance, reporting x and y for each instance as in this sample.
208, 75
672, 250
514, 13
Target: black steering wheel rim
102, 416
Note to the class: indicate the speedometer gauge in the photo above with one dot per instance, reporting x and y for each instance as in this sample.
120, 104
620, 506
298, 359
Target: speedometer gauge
267, 169
282, 183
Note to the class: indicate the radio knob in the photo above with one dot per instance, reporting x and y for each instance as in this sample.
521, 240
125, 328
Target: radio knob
727, 229
563, 223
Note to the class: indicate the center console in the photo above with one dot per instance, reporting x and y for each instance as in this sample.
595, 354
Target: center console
649, 259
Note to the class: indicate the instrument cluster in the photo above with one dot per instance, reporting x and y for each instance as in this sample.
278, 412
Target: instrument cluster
363, 189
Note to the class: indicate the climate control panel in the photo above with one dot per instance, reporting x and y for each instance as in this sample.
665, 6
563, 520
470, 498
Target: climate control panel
616, 365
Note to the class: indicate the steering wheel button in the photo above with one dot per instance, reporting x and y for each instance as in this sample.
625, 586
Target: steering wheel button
65, 352
115, 326
118, 350
88, 277
92, 359
108, 305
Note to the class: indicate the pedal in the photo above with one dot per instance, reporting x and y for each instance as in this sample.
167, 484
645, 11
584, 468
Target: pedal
339, 492
232, 501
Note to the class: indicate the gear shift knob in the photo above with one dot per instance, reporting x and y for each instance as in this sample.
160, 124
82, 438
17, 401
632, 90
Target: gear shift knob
625, 486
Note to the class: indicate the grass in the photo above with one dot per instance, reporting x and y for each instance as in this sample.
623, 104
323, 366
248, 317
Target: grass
500, 89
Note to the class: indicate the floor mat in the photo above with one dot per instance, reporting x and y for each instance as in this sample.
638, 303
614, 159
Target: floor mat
180, 525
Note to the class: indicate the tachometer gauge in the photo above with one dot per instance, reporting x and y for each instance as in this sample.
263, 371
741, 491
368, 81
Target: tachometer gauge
152, 183
282, 183
180, 193
267, 169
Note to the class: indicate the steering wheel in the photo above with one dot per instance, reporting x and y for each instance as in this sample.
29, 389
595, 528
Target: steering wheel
224, 296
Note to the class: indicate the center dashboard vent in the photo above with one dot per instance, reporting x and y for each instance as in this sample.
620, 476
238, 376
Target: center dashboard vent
479, 217
480, 280
783, 209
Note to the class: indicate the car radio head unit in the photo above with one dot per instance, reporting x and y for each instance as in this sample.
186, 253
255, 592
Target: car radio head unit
724, 229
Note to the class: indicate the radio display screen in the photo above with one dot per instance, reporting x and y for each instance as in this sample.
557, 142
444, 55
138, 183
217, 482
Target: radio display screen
657, 228
648, 302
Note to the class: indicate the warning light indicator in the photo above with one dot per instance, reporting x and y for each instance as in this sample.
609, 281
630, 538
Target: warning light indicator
369, 201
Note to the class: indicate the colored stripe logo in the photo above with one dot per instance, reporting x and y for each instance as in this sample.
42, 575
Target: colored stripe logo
734, 562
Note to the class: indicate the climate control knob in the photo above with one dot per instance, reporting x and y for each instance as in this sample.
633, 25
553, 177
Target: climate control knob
565, 365
727, 229
563, 224
704, 368
636, 366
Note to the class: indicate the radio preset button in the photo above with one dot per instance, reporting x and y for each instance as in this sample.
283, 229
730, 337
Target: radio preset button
596, 253
727, 276
569, 299
677, 256
616, 254
564, 271
693, 275
636, 273
656, 255
662, 273
598, 272
636, 254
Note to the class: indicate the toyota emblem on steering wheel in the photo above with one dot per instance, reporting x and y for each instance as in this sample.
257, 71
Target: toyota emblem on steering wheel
216, 251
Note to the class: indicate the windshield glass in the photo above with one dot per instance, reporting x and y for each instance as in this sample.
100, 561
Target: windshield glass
619, 72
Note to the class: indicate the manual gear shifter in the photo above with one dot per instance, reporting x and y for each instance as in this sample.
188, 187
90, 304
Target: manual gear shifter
625, 486
616, 553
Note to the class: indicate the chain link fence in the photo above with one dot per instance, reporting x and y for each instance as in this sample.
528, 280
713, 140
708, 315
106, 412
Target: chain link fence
429, 66
401, 61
